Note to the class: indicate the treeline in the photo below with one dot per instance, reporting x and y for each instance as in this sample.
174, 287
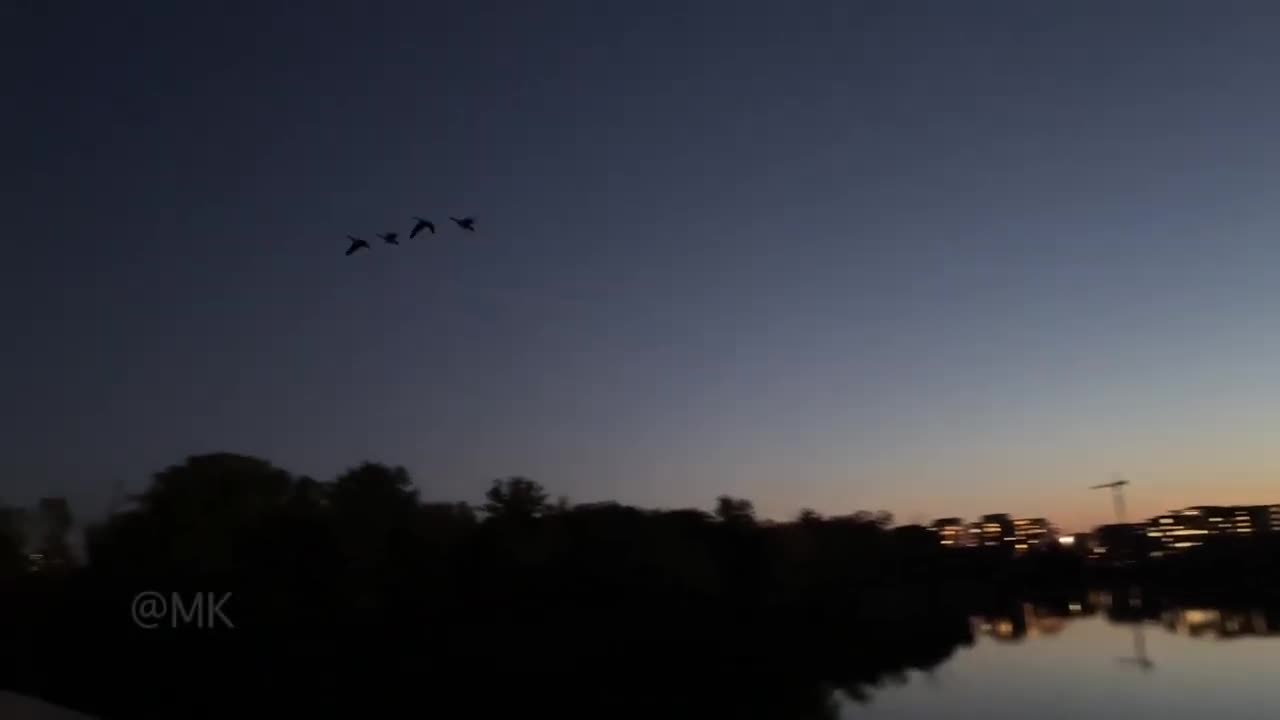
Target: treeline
357, 591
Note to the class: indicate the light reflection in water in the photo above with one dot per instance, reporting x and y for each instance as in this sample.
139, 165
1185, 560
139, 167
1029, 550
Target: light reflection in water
1100, 656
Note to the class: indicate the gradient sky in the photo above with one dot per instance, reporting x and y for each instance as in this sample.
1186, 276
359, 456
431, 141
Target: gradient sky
930, 257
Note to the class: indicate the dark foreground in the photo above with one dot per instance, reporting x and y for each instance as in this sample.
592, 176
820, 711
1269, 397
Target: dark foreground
354, 596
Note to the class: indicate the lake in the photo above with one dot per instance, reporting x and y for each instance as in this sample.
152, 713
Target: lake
1092, 661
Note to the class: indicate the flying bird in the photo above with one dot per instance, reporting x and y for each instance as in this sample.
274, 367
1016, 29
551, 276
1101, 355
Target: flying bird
390, 237
466, 223
356, 244
417, 228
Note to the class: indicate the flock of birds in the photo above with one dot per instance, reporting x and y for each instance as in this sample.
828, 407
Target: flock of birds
420, 224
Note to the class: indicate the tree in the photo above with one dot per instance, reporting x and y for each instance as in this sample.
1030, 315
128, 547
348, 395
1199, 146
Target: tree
374, 490
12, 541
562, 506
195, 517
809, 516
54, 516
376, 512
735, 511
218, 486
879, 519
516, 498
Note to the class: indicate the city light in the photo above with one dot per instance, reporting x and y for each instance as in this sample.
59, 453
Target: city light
1160, 536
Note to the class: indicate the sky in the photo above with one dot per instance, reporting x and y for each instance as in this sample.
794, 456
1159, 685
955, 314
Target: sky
934, 258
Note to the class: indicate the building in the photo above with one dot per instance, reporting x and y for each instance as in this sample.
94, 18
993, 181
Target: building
1179, 530
1240, 519
1219, 520
1031, 532
1119, 542
996, 530
1182, 529
1260, 517
952, 532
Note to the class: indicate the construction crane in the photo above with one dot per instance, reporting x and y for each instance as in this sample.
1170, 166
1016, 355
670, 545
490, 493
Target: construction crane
1117, 495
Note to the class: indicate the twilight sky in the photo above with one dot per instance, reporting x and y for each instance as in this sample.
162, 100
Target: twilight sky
930, 257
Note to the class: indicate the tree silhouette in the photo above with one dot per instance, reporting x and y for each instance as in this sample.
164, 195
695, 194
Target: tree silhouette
194, 518
54, 515
809, 516
735, 511
12, 541
515, 498
357, 586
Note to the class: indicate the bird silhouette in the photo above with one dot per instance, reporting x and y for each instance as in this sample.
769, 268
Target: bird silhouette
417, 228
466, 223
356, 244
390, 238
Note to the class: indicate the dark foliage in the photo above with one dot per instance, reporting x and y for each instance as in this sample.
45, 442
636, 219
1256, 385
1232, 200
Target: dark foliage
354, 593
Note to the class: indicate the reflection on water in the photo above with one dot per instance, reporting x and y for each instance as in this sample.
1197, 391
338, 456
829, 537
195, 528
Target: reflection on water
1032, 619
1077, 657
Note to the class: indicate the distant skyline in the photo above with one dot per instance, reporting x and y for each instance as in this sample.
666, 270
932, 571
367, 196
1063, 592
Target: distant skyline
927, 257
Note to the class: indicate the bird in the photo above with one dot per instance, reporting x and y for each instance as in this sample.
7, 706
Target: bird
356, 244
390, 238
417, 228
466, 223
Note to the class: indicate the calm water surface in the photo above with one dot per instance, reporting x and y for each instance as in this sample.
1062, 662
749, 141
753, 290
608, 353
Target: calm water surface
1187, 663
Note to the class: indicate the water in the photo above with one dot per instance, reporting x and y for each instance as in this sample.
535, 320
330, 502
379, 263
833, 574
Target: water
1188, 662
